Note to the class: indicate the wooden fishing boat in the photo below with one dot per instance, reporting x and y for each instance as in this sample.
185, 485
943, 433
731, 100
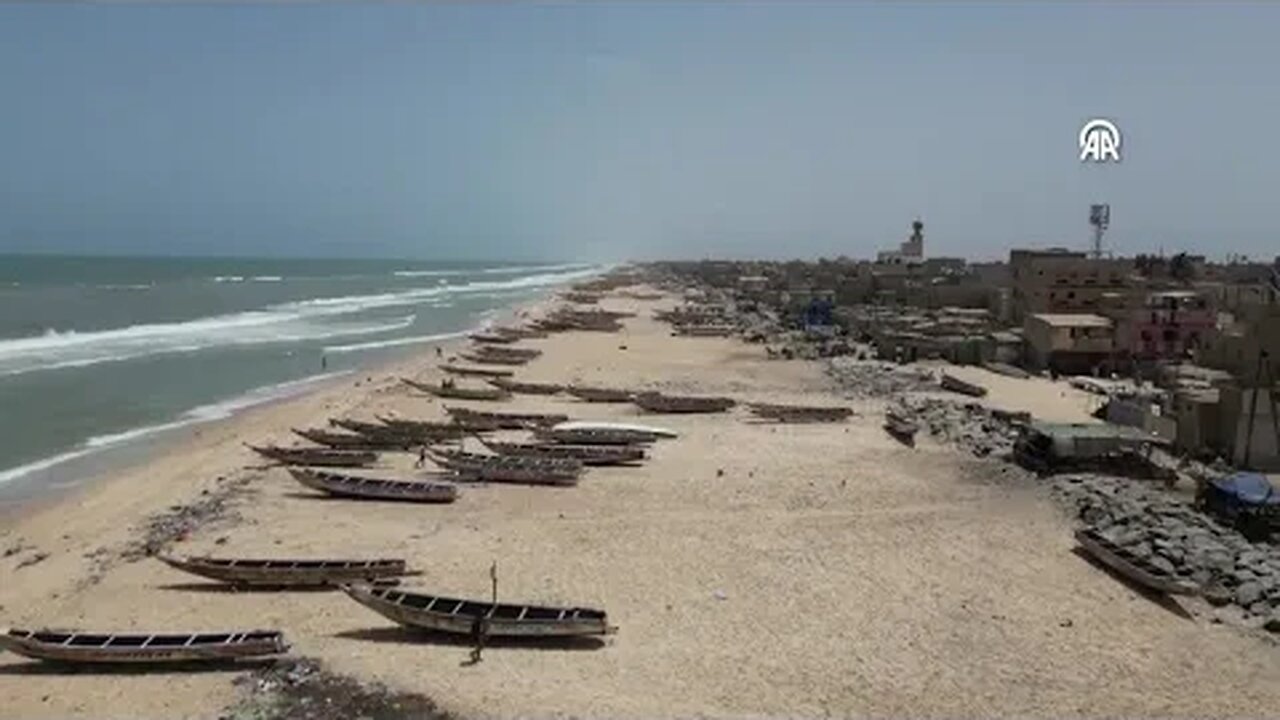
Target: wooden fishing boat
289, 572
459, 393
494, 359
600, 394
955, 384
510, 469
353, 486
654, 430
656, 402
322, 457
526, 388
800, 413
475, 371
461, 617
586, 454
436, 430
133, 647
493, 338
350, 441
519, 333
1131, 566
901, 427
594, 436
703, 330
507, 351
505, 420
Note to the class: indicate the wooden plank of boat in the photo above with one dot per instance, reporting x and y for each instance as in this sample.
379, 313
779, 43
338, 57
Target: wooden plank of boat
289, 572
460, 617
527, 388
586, 454
133, 647
955, 384
349, 441
656, 402
354, 486
459, 393
325, 457
654, 430
600, 394
1131, 566
453, 369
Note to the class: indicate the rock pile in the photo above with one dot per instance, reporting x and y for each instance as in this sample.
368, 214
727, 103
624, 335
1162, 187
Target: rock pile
974, 427
877, 379
1173, 535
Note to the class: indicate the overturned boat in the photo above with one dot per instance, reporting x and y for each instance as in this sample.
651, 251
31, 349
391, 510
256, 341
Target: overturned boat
289, 572
323, 457
1131, 566
134, 647
800, 413
364, 488
586, 454
467, 617
526, 388
656, 402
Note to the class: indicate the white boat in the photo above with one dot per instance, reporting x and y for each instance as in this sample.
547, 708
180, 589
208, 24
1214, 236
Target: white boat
600, 425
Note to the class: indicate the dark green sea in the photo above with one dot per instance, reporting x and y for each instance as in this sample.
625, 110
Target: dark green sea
99, 352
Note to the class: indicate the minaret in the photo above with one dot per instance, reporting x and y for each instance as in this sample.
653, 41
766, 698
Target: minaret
914, 246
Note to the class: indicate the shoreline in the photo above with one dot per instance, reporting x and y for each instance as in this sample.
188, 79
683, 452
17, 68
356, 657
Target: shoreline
875, 579
113, 458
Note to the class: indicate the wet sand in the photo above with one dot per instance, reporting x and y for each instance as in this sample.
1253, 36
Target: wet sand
752, 569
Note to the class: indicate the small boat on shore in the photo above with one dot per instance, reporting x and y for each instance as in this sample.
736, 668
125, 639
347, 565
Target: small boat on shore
956, 385
436, 430
472, 371
505, 420
494, 338
462, 617
526, 388
323, 457
350, 441
595, 436
364, 488
656, 402
458, 393
1129, 565
132, 647
494, 359
901, 427
800, 413
289, 572
507, 351
586, 454
509, 468
600, 394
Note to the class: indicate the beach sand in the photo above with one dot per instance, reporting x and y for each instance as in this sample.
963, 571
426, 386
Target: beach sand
752, 569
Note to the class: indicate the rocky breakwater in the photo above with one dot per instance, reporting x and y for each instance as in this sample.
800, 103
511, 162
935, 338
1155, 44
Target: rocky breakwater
1171, 533
976, 428
870, 379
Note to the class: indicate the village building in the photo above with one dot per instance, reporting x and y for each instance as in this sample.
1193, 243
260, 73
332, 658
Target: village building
1072, 343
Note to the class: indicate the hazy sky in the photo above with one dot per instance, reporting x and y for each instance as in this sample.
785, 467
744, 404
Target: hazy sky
633, 130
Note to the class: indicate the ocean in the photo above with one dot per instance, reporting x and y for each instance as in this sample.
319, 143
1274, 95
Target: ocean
100, 352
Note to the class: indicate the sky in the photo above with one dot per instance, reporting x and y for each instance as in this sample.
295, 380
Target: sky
612, 131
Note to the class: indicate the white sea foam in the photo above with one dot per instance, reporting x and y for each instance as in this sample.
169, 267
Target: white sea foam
229, 278
202, 414
316, 318
393, 342
266, 278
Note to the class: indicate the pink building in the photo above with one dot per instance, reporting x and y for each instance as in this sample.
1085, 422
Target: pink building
1170, 324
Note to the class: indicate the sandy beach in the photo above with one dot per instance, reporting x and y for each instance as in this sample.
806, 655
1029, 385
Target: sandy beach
752, 569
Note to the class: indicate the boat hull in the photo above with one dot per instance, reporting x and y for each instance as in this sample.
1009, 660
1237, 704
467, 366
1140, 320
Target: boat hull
94, 648
421, 612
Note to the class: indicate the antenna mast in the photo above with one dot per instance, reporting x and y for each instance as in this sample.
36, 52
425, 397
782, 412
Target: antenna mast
1099, 218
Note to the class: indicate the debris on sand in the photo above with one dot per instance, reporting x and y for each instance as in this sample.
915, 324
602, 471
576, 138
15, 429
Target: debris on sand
878, 379
34, 559
180, 521
303, 690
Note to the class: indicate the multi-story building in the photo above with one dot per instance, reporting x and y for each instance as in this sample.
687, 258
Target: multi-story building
1171, 324
1069, 342
1059, 281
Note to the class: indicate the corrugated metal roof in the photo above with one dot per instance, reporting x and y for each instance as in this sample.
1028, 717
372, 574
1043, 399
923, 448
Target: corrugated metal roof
1073, 319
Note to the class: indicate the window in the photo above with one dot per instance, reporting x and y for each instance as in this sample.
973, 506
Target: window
1071, 294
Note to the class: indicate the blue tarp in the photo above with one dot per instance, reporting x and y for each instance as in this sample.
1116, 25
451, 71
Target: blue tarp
1247, 489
